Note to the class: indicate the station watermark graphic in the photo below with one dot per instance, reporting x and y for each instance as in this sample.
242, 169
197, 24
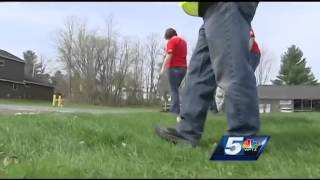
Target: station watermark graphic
240, 148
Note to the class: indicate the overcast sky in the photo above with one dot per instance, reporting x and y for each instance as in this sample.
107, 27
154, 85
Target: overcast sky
278, 25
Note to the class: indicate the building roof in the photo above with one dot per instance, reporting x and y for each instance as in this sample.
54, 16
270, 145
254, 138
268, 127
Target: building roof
46, 84
10, 56
288, 92
37, 81
11, 81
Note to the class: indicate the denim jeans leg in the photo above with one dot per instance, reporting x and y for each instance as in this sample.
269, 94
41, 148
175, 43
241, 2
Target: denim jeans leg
176, 76
198, 93
213, 105
227, 26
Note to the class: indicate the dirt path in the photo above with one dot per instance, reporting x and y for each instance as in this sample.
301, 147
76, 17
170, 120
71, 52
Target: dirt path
39, 109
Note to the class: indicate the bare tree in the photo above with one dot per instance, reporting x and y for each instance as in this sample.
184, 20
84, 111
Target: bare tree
65, 45
263, 71
153, 51
134, 81
81, 52
107, 66
123, 63
40, 69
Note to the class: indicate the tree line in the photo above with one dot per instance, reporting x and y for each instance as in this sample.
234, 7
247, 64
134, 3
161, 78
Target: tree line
108, 68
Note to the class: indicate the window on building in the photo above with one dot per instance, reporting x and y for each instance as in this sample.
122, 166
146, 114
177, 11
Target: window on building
261, 108
297, 105
14, 86
302, 105
264, 108
306, 104
315, 105
286, 106
268, 108
2, 63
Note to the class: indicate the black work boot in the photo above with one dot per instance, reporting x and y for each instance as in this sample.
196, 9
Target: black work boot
171, 135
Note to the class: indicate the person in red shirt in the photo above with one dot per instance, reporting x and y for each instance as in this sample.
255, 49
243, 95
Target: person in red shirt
175, 62
255, 53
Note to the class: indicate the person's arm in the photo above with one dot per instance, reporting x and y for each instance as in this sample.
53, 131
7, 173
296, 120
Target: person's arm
171, 46
165, 62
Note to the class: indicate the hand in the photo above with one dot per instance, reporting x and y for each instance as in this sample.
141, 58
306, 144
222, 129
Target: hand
161, 71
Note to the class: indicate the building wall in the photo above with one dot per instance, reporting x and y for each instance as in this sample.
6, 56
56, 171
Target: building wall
34, 91
25, 91
274, 104
7, 91
12, 70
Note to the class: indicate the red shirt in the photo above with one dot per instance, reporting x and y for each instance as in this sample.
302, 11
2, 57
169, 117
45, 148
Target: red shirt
178, 48
254, 48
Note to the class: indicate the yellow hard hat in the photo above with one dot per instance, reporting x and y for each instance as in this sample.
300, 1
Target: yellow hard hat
191, 8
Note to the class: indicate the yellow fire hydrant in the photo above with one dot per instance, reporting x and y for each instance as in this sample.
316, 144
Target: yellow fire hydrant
57, 101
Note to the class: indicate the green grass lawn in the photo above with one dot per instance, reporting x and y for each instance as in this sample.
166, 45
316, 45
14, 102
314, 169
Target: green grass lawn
124, 146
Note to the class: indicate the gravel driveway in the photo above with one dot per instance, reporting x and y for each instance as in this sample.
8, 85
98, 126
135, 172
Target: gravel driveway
38, 109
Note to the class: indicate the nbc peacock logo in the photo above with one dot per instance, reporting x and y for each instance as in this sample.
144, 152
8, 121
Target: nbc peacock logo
251, 145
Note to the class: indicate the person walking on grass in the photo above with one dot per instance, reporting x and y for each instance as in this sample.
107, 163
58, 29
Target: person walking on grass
221, 58
175, 64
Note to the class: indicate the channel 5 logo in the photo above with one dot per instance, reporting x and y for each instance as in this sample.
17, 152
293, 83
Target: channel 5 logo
240, 148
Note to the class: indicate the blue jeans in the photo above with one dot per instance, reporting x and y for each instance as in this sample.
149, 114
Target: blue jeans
254, 62
213, 105
175, 76
221, 57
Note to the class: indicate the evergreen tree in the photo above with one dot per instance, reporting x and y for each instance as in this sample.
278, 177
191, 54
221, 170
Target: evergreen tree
293, 70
